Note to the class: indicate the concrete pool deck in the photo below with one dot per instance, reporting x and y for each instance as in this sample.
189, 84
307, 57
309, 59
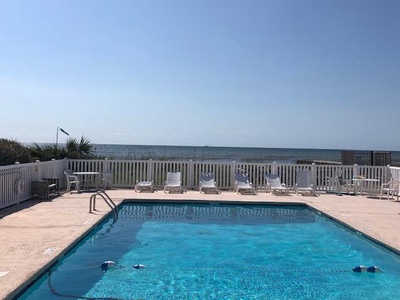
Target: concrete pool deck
36, 232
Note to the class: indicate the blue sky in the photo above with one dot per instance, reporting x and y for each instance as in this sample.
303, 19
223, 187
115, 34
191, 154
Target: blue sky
251, 73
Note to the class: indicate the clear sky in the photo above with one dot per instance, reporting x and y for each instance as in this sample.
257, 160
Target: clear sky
247, 73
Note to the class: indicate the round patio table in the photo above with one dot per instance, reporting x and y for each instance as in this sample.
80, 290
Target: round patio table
88, 177
360, 184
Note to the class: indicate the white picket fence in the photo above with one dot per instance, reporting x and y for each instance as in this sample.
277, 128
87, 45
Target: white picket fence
16, 180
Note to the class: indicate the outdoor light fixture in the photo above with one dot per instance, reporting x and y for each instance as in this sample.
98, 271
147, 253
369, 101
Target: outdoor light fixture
63, 131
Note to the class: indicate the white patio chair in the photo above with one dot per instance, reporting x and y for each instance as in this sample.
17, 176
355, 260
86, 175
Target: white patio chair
144, 184
72, 180
337, 184
274, 184
173, 182
391, 189
303, 183
207, 183
242, 183
107, 179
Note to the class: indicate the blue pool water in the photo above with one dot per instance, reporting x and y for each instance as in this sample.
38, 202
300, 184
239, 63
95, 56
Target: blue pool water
221, 252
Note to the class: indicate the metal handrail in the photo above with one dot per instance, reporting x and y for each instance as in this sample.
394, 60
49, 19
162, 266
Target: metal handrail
107, 200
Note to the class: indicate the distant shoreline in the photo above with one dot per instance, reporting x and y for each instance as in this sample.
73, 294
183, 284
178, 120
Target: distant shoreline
223, 154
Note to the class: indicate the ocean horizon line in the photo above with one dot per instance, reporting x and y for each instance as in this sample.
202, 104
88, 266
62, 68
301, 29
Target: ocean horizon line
226, 154
246, 147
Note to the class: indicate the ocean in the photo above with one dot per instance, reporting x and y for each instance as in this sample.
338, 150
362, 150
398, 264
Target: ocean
221, 154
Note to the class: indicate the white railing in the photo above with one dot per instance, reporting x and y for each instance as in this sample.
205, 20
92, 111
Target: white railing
16, 180
126, 172
394, 173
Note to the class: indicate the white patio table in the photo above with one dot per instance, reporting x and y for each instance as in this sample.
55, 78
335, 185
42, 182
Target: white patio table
362, 184
83, 178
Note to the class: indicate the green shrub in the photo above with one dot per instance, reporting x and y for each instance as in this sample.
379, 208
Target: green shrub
13, 151
46, 152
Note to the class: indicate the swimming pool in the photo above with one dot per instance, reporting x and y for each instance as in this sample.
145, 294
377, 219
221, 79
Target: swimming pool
221, 252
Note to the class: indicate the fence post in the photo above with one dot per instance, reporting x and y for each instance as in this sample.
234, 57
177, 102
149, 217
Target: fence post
18, 178
388, 175
66, 163
314, 175
233, 173
37, 167
191, 174
274, 168
150, 169
54, 167
106, 165
355, 170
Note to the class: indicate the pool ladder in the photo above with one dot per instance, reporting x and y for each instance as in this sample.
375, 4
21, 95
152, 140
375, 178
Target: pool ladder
107, 199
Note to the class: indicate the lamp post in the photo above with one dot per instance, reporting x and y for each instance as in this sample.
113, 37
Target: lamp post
62, 130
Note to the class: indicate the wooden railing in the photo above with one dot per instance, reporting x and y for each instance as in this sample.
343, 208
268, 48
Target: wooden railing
127, 172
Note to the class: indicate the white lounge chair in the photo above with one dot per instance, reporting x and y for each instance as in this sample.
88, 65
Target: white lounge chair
72, 180
242, 183
141, 185
173, 182
274, 184
303, 183
207, 183
391, 189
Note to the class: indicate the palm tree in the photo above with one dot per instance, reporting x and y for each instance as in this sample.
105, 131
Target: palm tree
74, 149
79, 149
